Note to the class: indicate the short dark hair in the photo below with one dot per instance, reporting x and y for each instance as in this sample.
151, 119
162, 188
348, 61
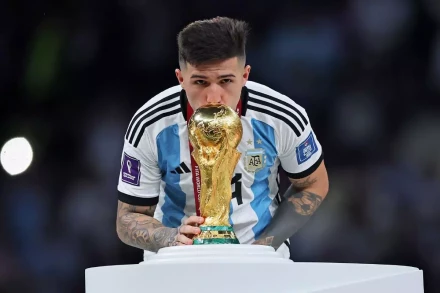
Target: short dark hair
211, 40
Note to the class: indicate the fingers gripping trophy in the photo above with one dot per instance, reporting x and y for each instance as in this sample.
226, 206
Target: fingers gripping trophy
215, 132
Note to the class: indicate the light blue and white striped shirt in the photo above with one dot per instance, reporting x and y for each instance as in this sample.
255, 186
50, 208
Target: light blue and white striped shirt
156, 162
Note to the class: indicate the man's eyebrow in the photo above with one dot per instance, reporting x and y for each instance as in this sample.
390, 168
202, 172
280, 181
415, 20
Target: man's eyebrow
226, 75
220, 77
198, 76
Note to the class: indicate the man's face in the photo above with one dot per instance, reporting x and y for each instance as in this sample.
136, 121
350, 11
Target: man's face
215, 83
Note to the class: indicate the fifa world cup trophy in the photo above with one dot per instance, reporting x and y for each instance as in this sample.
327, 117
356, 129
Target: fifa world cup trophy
215, 132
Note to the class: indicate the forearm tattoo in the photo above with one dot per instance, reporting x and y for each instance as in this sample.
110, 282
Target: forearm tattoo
292, 214
137, 227
305, 203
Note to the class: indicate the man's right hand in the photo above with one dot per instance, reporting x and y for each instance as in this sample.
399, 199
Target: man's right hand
188, 230
137, 227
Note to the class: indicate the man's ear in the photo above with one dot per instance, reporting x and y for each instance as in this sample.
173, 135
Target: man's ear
179, 76
247, 71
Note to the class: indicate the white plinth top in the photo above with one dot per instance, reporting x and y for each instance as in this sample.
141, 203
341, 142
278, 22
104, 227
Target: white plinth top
217, 253
247, 268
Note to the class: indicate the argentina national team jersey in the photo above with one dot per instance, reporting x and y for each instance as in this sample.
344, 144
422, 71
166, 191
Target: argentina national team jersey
156, 162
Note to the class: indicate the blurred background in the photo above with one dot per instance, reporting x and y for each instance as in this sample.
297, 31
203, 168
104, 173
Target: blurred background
72, 74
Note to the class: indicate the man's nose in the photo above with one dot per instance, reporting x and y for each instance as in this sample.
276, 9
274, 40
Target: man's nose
214, 95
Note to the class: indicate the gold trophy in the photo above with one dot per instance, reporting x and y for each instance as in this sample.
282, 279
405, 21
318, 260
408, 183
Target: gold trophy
215, 132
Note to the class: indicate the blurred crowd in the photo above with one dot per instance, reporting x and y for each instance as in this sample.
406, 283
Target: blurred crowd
73, 73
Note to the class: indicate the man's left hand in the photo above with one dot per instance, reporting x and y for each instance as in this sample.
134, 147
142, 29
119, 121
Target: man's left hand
264, 241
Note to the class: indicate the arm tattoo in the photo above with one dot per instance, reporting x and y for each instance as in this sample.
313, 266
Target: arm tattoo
303, 183
147, 210
292, 214
137, 227
305, 203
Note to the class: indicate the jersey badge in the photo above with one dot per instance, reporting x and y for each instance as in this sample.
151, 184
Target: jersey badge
131, 170
306, 149
254, 160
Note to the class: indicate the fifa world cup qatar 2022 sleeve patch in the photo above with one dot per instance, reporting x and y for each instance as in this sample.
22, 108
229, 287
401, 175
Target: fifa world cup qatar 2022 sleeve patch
306, 149
131, 170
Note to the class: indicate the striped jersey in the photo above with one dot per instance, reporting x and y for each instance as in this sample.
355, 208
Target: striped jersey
156, 162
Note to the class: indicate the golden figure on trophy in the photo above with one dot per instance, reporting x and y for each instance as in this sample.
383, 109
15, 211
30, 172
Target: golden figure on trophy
215, 132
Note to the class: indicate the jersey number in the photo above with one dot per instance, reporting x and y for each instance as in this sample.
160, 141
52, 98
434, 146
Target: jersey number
236, 181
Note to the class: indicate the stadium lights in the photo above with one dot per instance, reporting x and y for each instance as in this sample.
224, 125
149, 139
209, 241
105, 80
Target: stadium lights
16, 155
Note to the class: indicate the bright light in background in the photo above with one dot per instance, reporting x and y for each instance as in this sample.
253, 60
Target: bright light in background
16, 155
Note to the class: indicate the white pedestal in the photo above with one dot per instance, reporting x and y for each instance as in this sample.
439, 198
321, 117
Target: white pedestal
247, 268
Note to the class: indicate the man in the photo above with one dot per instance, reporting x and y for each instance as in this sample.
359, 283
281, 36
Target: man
156, 205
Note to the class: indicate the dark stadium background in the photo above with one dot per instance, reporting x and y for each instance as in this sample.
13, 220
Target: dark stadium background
72, 74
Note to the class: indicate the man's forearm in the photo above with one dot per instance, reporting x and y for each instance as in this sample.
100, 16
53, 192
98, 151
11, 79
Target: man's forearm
143, 231
292, 214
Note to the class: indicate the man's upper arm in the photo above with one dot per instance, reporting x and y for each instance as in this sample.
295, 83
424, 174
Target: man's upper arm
302, 157
140, 176
316, 182
124, 208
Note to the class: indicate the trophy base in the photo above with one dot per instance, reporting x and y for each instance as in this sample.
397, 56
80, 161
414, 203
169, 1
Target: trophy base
216, 235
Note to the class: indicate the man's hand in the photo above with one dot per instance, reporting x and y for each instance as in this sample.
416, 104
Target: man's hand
264, 241
137, 227
188, 230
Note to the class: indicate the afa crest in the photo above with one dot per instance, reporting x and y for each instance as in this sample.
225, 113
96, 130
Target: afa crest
254, 160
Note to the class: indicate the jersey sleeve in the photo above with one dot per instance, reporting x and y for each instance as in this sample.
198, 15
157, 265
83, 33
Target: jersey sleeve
140, 176
301, 154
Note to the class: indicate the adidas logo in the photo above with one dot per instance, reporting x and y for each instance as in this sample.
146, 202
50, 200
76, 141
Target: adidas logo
181, 169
